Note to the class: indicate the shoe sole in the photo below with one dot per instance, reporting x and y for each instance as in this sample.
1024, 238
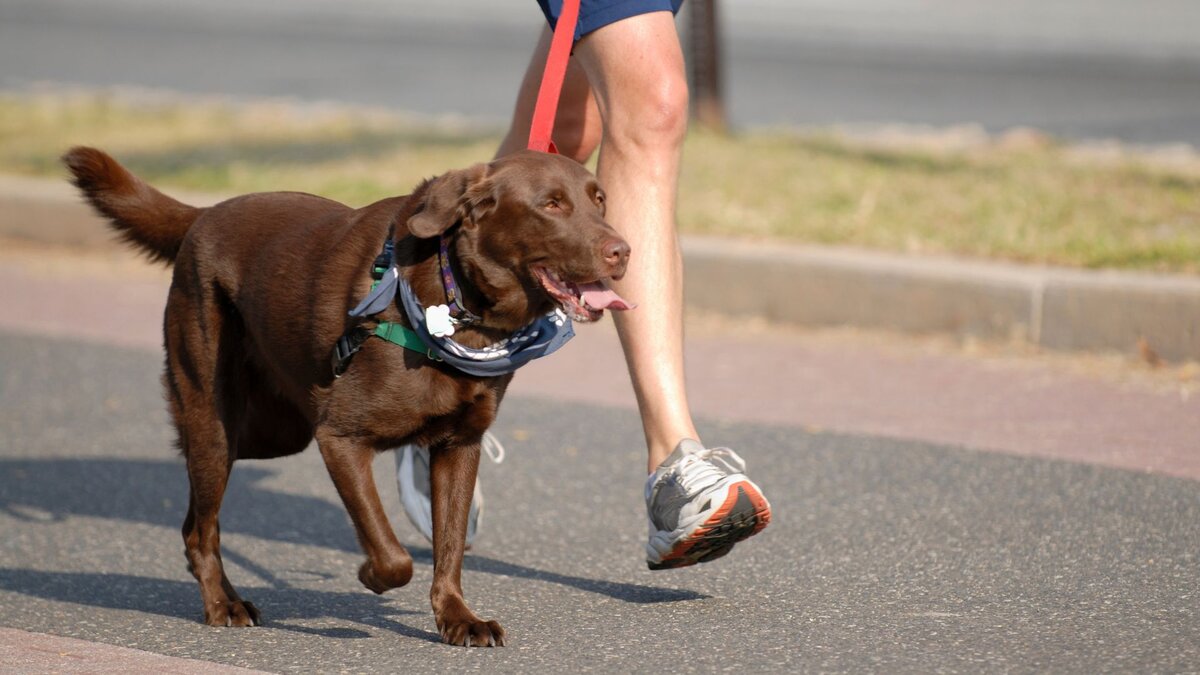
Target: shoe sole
744, 514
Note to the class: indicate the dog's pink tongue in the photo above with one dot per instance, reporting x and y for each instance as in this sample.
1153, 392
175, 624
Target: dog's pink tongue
599, 296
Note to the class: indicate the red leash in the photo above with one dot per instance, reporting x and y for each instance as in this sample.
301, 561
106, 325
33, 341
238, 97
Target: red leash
552, 79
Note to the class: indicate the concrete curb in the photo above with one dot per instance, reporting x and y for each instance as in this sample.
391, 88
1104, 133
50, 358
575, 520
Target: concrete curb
1057, 308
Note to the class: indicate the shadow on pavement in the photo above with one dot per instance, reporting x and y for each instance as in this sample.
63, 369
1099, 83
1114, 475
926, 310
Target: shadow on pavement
153, 492
181, 600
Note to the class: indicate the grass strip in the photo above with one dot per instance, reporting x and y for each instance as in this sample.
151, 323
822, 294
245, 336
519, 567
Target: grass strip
1037, 202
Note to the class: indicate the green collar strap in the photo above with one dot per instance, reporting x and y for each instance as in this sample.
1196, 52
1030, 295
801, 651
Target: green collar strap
399, 334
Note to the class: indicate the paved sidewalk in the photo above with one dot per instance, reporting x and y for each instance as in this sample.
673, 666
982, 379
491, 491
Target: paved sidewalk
24, 652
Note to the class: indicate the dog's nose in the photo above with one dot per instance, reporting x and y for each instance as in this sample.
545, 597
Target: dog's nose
616, 253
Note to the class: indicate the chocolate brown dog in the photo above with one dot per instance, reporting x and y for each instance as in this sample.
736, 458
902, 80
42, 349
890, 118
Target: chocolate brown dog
261, 292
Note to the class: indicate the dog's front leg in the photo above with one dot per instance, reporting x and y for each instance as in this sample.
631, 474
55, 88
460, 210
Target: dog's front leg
348, 460
452, 481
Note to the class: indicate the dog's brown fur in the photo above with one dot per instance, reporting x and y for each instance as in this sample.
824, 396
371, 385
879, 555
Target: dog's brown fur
261, 290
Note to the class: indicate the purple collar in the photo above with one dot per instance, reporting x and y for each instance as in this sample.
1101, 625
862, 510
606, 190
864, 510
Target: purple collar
453, 295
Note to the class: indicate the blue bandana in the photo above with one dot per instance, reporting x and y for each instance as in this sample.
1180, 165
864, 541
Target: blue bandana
544, 335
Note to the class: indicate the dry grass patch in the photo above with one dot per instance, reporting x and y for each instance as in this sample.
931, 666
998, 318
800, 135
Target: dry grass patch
1029, 201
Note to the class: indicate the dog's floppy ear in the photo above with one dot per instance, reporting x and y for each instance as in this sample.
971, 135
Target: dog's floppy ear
454, 197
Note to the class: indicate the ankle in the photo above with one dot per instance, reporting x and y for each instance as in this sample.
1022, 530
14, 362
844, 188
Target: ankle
658, 453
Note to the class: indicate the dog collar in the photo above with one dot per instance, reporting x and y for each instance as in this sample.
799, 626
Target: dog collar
458, 311
543, 336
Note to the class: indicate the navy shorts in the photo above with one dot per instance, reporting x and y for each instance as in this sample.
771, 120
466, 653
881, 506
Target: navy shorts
595, 14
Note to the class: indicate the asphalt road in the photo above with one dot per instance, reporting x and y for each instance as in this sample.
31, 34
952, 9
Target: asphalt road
1080, 69
883, 556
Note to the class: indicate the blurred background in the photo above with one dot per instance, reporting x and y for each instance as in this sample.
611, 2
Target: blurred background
1058, 132
1075, 68
942, 295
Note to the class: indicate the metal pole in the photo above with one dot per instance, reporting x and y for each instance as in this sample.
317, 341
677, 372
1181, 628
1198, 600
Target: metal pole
704, 65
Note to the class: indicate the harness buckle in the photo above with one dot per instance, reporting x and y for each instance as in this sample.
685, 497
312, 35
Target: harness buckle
382, 261
345, 348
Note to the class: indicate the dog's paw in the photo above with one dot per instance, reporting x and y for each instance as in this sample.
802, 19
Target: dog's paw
232, 614
473, 633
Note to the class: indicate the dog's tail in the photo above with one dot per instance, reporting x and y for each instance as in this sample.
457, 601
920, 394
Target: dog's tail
143, 216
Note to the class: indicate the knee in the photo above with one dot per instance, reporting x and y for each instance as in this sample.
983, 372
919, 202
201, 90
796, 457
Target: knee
656, 118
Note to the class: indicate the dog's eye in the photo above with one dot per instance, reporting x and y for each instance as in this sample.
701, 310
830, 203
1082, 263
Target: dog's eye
552, 204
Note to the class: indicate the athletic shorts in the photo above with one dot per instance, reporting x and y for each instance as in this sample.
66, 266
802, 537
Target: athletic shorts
595, 14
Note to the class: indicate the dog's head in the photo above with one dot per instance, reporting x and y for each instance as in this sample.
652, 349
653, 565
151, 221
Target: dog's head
531, 234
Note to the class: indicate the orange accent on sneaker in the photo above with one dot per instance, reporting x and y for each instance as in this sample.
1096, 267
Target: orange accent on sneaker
678, 557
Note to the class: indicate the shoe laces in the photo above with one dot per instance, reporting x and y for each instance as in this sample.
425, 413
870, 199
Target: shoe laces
727, 458
492, 447
698, 470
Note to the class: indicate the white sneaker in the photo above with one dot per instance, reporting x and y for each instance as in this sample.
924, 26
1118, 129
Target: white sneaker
699, 503
412, 478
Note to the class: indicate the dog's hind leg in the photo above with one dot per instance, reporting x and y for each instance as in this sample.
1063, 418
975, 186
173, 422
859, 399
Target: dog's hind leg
201, 358
348, 460
202, 539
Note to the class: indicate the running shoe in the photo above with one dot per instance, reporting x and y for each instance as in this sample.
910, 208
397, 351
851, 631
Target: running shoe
699, 504
412, 478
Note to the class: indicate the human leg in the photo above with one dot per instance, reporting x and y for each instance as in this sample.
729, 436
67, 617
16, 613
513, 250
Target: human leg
635, 67
576, 121
699, 502
627, 86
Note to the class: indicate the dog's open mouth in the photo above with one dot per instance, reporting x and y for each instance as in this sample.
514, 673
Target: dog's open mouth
581, 301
